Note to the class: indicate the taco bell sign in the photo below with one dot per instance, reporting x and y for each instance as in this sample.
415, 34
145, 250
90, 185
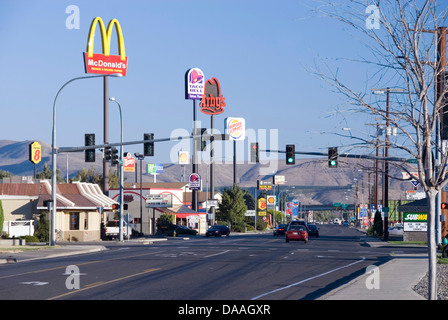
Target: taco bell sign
194, 84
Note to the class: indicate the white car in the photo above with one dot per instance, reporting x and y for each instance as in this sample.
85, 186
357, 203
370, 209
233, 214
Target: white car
396, 230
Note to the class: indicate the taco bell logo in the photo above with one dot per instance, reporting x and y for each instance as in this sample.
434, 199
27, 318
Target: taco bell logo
194, 84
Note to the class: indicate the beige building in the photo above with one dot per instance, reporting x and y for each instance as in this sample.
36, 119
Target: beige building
81, 207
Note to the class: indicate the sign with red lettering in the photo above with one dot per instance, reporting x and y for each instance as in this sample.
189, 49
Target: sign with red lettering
212, 101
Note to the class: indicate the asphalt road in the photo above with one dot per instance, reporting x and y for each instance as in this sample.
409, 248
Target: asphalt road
239, 267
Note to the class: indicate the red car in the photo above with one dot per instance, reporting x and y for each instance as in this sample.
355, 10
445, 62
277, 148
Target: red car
297, 232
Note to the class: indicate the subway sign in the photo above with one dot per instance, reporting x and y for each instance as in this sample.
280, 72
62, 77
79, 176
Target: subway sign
415, 221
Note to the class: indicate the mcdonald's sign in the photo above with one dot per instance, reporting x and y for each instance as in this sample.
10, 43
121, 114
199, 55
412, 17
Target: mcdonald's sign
105, 63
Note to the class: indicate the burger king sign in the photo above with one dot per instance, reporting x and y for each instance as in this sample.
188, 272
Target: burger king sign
236, 128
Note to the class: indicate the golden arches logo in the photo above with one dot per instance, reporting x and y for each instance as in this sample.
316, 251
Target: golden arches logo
105, 63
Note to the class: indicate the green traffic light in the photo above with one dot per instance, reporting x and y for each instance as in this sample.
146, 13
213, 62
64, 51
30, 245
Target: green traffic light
333, 163
290, 160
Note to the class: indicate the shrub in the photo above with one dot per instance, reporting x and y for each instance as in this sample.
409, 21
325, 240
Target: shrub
31, 239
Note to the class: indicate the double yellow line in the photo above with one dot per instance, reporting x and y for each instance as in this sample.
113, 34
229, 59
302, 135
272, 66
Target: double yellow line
102, 283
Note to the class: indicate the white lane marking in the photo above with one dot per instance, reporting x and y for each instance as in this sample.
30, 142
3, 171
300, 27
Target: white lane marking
215, 254
305, 280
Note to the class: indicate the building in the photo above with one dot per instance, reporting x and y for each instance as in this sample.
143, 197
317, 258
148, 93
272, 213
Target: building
145, 219
80, 211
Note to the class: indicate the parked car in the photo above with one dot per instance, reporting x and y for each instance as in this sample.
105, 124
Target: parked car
280, 229
313, 230
396, 230
218, 231
180, 229
296, 232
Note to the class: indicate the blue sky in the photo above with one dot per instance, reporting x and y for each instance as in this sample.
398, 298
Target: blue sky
259, 51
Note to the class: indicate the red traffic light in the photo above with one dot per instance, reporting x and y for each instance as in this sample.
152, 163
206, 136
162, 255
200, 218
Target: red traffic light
444, 205
115, 206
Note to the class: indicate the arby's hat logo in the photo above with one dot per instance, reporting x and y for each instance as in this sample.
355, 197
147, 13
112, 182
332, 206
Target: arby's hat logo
212, 101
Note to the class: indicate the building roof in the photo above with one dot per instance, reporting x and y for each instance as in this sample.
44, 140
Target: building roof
77, 195
414, 206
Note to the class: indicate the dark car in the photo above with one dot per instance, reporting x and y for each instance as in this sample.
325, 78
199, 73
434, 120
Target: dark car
185, 230
313, 230
280, 229
298, 222
217, 231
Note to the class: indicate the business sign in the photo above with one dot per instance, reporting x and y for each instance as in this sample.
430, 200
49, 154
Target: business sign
194, 84
183, 157
415, 221
250, 213
105, 63
129, 163
264, 185
235, 128
194, 181
271, 201
212, 101
159, 200
262, 207
155, 168
35, 152
279, 179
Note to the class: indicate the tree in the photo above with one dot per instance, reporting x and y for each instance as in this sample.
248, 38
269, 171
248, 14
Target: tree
47, 174
93, 176
232, 207
378, 224
401, 55
43, 228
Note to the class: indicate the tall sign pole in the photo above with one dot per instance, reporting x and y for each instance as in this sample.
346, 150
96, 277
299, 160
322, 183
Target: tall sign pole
194, 89
212, 103
105, 64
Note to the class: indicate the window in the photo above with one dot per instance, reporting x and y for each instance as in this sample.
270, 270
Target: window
86, 221
74, 221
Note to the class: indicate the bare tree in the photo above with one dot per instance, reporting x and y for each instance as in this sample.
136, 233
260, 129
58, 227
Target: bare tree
403, 39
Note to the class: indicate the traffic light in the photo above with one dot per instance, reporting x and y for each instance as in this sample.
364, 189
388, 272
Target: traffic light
89, 155
115, 206
114, 156
332, 157
444, 205
148, 147
290, 154
107, 153
203, 142
254, 155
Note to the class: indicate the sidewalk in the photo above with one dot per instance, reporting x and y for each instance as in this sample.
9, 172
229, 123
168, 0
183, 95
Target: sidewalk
395, 278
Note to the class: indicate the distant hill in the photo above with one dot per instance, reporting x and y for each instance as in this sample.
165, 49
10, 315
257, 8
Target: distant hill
309, 179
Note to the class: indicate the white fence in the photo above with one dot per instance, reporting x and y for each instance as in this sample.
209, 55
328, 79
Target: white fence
19, 228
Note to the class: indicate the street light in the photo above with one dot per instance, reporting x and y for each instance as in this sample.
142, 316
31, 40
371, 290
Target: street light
120, 234
54, 157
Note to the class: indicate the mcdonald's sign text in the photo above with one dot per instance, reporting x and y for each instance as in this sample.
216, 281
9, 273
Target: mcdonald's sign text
105, 63
102, 64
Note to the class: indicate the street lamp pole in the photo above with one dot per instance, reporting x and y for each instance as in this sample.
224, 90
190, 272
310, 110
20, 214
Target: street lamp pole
54, 152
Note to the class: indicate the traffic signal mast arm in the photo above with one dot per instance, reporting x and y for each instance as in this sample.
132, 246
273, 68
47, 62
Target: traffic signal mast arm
344, 155
127, 143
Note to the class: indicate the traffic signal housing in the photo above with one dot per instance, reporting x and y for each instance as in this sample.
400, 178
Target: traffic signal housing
108, 153
148, 147
254, 154
89, 154
290, 154
444, 205
114, 160
332, 157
